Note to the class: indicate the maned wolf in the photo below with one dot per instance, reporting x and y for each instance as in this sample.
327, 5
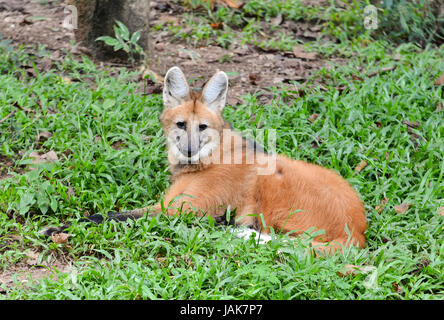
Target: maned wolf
214, 168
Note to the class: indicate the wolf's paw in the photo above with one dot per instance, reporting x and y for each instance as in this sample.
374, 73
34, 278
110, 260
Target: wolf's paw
222, 221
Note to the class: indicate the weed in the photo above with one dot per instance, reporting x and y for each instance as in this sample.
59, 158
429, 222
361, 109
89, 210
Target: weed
124, 41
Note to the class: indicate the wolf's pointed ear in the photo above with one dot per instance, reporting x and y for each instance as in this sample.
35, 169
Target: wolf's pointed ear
214, 92
175, 88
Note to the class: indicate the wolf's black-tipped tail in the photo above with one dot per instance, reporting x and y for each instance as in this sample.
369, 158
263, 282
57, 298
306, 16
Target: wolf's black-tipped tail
98, 219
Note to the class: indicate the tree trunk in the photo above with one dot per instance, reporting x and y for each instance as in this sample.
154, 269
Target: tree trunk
96, 18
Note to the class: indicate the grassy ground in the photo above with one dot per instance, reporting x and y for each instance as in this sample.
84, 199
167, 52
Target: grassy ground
111, 156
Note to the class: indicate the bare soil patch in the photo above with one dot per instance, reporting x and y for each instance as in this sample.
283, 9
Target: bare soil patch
251, 69
25, 272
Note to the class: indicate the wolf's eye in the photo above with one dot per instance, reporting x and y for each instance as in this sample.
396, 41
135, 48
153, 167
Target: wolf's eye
202, 127
181, 125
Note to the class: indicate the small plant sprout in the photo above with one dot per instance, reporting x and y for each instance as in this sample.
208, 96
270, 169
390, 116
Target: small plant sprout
124, 41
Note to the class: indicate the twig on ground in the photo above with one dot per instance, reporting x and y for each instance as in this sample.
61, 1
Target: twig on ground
374, 73
15, 104
8, 116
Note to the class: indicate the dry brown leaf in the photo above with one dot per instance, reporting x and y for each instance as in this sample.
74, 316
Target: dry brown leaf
299, 52
254, 77
147, 73
439, 107
402, 208
361, 166
277, 20
397, 288
313, 117
397, 56
151, 87
50, 156
440, 80
15, 104
44, 134
8, 116
351, 269
60, 237
381, 206
66, 80
217, 25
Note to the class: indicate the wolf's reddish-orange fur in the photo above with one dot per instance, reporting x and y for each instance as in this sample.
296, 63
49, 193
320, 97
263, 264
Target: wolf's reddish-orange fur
296, 196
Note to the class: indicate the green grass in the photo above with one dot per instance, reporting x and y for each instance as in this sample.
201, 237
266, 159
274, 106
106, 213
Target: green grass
398, 21
112, 157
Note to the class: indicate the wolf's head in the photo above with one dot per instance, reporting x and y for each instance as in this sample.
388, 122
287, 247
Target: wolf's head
192, 121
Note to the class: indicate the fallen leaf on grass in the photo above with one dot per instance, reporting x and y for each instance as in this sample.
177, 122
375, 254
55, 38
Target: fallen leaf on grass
97, 139
8, 116
66, 80
70, 193
15, 104
50, 156
397, 288
60, 237
277, 20
381, 206
439, 107
440, 80
152, 88
217, 25
117, 145
402, 208
313, 117
353, 270
299, 52
44, 134
361, 166
397, 56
